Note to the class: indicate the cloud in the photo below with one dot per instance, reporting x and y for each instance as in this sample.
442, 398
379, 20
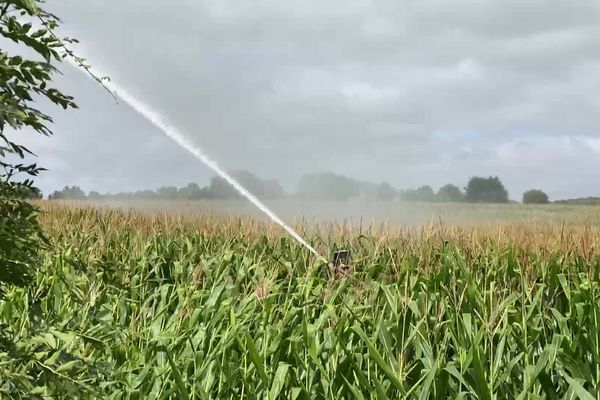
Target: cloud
382, 90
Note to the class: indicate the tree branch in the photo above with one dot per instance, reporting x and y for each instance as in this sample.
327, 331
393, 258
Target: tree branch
76, 59
4, 10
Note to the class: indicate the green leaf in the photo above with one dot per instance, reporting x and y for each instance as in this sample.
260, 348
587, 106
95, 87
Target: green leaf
16, 60
279, 380
355, 391
578, 389
376, 356
481, 386
379, 390
67, 366
256, 359
181, 388
39, 33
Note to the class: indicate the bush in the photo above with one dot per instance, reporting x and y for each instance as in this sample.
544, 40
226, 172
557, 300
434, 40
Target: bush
385, 192
68, 193
535, 196
450, 194
328, 186
486, 190
424, 194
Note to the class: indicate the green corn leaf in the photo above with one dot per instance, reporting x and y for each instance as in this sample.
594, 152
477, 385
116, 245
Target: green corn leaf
578, 389
256, 359
353, 389
181, 388
376, 356
279, 380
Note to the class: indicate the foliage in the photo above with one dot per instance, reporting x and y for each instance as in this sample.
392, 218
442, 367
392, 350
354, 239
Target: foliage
203, 308
21, 82
192, 191
218, 189
424, 194
20, 235
589, 201
267, 189
450, 194
68, 193
27, 353
142, 194
272, 189
328, 186
385, 192
29, 192
167, 192
535, 196
486, 190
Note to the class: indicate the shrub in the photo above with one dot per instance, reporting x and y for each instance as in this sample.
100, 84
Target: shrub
486, 190
535, 196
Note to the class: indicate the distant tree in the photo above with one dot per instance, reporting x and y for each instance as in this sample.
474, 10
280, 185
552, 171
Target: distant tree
145, 194
587, 201
191, 192
450, 194
250, 181
205, 193
272, 189
167, 192
424, 194
93, 195
535, 196
68, 193
486, 190
122, 195
385, 192
408, 195
219, 188
327, 186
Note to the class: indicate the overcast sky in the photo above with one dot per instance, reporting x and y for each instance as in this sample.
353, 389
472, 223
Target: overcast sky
410, 92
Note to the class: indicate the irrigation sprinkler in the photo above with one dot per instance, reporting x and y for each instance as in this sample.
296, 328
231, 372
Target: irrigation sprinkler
341, 258
340, 264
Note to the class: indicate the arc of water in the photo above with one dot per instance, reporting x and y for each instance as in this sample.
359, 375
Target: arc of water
173, 133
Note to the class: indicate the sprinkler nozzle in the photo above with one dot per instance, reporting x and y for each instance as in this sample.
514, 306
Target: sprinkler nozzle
341, 258
339, 266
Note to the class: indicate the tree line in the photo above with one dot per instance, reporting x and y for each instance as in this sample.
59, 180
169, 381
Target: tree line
324, 187
218, 188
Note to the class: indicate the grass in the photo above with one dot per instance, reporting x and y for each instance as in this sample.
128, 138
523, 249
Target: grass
154, 306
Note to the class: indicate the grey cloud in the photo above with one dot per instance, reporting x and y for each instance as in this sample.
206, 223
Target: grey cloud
382, 90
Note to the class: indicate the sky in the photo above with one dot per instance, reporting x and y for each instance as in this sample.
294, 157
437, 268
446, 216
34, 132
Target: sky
410, 92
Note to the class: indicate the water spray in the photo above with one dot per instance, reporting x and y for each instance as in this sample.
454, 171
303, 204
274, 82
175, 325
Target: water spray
173, 133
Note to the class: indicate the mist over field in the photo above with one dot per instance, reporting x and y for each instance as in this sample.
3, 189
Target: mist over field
363, 213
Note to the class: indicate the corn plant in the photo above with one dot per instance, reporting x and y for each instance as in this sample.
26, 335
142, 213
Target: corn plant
131, 306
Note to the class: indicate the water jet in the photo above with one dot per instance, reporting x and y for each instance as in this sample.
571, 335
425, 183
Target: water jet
173, 133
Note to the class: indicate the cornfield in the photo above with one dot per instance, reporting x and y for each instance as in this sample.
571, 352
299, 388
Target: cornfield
137, 306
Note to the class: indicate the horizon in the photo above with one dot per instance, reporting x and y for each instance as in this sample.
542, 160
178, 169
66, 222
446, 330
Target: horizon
295, 193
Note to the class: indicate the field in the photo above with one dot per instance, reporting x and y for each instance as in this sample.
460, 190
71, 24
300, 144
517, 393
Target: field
357, 212
479, 303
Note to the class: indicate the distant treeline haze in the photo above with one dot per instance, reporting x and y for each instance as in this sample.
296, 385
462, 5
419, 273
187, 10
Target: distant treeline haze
322, 186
